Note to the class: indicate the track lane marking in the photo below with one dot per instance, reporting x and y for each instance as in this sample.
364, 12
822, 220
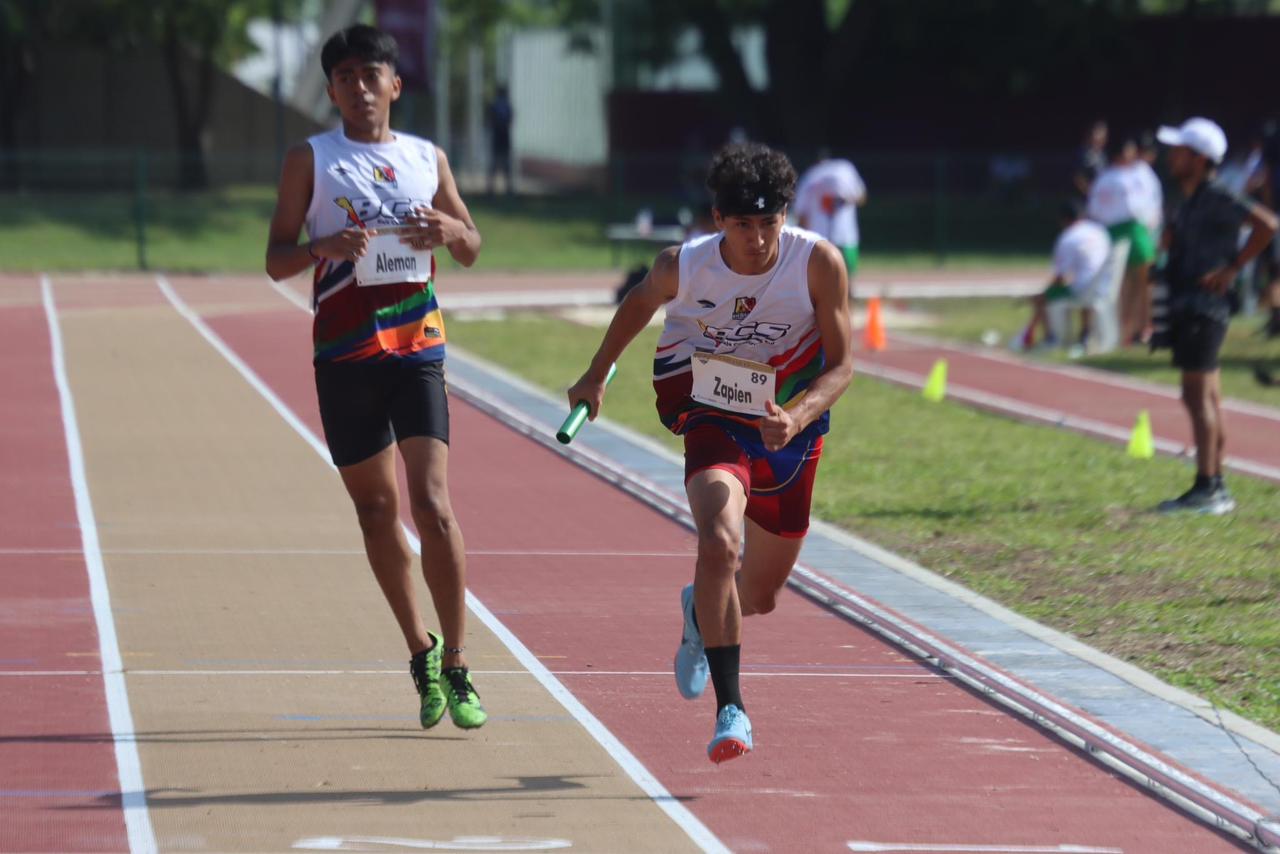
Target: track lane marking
697, 832
133, 795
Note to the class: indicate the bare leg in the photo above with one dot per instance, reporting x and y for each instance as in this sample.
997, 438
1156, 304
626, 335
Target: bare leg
766, 562
1201, 397
444, 563
718, 502
371, 484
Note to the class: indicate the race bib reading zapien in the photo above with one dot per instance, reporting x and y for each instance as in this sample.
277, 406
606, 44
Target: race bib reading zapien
389, 261
738, 385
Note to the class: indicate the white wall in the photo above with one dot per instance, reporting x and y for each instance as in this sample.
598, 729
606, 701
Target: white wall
558, 96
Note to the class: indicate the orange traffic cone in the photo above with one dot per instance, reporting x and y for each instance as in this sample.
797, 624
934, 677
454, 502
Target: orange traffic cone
873, 337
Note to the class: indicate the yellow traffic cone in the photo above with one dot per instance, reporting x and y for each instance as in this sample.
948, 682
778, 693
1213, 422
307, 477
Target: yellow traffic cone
1141, 444
935, 387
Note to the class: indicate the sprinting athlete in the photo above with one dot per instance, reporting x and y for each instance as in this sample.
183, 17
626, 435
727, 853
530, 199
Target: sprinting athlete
755, 350
375, 204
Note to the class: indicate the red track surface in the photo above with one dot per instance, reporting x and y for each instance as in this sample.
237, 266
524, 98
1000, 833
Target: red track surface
885, 750
1249, 436
55, 743
861, 744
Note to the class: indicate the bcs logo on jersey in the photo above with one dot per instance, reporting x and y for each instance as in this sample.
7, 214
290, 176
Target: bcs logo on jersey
742, 306
757, 332
384, 175
362, 212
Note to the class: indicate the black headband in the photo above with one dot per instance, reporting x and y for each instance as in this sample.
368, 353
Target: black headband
749, 200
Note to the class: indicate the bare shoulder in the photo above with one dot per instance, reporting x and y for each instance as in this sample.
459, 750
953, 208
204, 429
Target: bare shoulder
826, 269
665, 273
299, 155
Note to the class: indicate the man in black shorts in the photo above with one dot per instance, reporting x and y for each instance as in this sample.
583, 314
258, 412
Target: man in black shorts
1202, 239
375, 203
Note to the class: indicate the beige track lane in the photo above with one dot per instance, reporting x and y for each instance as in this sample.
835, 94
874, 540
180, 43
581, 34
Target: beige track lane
186, 462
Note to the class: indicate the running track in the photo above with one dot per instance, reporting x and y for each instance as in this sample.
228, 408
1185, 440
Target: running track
855, 741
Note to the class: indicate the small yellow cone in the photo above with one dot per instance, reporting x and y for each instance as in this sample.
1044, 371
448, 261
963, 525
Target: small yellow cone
935, 388
1141, 445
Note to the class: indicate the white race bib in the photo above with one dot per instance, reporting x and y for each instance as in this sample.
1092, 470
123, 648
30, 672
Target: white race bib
389, 261
738, 385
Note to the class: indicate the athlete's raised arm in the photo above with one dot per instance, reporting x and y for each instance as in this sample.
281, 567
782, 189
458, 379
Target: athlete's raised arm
638, 307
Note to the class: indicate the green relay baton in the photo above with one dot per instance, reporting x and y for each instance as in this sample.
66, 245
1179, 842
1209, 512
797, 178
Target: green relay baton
578, 415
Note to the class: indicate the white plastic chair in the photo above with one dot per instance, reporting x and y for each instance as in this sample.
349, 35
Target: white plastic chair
1101, 297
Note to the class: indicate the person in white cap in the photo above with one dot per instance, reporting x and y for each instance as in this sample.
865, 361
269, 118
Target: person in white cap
1202, 239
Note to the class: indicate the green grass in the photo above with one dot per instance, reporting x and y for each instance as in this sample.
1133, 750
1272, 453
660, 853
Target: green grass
965, 320
1050, 523
226, 231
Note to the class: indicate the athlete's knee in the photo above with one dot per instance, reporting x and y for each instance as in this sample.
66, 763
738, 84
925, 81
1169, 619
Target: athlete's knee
375, 512
432, 514
718, 549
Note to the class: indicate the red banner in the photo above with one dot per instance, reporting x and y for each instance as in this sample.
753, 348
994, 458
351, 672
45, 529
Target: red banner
412, 24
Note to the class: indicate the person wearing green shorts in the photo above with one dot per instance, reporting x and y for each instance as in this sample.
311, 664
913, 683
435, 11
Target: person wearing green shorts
827, 201
850, 259
1117, 201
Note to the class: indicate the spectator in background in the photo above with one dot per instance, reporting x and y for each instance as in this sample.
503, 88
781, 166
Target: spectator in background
1117, 201
1204, 260
1078, 258
1150, 212
1093, 158
500, 116
827, 201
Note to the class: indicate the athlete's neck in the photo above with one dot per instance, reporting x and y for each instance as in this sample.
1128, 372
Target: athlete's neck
378, 132
747, 263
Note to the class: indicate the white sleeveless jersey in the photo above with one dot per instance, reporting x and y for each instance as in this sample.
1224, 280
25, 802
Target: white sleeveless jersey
367, 184
765, 318
370, 185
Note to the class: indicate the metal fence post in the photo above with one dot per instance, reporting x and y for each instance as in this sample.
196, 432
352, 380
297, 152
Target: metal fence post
140, 205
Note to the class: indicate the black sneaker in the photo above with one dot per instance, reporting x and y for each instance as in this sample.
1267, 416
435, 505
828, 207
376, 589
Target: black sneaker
1204, 500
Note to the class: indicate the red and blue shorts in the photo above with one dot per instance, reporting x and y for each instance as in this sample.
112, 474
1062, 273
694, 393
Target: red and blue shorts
779, 484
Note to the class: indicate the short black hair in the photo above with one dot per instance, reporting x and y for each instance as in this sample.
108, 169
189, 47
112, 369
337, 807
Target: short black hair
750, 179
1117, 143
360, 40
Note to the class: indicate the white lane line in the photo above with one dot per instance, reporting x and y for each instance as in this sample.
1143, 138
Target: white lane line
133, 793
251, 552
640, 775
1066, 848
663, 674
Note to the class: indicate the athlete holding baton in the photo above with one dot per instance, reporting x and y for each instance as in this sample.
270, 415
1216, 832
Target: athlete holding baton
755, 350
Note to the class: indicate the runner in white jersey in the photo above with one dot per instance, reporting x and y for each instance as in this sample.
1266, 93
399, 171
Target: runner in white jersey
375, 204
755, 350
827, 201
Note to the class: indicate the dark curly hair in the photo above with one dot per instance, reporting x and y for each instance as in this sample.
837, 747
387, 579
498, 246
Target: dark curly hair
750, 179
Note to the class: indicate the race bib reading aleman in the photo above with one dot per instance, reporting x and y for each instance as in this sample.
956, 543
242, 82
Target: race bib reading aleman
389, 261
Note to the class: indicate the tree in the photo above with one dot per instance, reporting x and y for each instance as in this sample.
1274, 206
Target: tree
205, 34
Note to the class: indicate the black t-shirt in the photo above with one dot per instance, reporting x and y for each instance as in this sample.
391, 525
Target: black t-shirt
1205, 236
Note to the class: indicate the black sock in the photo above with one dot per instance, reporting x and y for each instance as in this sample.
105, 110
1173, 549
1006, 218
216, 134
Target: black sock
1215, 482
722, 661
1203, 481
